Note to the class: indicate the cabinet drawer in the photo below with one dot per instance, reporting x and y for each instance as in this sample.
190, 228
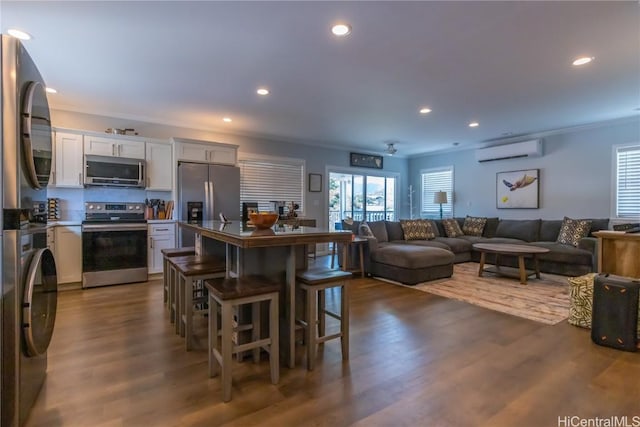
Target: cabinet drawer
161, 229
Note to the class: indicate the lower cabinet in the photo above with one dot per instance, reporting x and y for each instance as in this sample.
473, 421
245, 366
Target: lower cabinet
161, 236
67, 251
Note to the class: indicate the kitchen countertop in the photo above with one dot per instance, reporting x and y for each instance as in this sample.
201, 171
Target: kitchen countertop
245, 237
160, 221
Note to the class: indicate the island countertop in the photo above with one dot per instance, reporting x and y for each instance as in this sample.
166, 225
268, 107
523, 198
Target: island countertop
241, 236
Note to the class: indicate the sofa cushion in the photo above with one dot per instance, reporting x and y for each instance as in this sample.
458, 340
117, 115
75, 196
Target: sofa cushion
456, 245
490, 227
572, 230
598, 224
427, 243
564, 254
411, 256
522, 229
549, 230
434, 228
416, 229
451, 227
394, 231
379, 230
440, 226
364, 230
473, 226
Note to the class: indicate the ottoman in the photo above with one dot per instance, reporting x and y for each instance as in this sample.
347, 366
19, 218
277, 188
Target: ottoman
411, 264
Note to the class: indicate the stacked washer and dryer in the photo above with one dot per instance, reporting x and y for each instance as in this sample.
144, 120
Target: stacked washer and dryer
29, 282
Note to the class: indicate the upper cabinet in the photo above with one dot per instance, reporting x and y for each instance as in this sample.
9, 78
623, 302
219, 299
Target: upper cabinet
112, 147
68, 161
206, 152
159, 166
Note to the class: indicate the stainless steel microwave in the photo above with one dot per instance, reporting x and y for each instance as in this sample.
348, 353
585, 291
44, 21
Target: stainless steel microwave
114, 171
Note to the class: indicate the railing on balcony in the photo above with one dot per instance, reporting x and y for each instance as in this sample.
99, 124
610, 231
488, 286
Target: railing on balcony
336, 216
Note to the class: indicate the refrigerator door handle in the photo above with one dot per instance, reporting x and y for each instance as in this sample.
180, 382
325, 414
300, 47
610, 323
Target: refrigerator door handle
211, 203
205, 215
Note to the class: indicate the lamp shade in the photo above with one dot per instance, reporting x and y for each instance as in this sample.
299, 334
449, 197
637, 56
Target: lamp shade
440, 197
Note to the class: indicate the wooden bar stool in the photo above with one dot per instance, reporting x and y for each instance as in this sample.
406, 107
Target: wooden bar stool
224, 295
314, 284
189, 270
173, 279
166, 254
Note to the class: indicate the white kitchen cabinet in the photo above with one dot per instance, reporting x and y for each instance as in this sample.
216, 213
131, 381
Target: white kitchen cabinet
207, 152
68, 170
161, 236
68, 253
113, 147
159, 166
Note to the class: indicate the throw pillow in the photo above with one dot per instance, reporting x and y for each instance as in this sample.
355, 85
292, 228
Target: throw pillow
473, 226
365, 230
451, 227
572, 230
417, 229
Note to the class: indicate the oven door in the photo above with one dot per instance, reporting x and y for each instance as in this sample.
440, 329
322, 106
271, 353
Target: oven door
113, 254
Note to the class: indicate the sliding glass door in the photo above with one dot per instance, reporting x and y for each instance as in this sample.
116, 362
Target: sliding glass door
357, 196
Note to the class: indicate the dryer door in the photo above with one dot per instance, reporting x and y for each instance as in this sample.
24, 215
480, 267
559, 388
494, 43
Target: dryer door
40, 302
37, 147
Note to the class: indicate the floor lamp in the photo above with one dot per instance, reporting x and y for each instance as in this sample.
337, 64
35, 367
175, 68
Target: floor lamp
440, 197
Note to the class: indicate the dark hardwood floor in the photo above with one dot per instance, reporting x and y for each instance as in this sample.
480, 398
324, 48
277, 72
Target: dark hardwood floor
416, 359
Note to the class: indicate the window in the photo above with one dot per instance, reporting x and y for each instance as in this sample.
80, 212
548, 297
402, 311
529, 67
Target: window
433, 180
627, 181
263, 180
369, 197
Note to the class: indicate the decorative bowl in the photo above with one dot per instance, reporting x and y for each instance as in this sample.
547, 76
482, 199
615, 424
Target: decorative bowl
263, 220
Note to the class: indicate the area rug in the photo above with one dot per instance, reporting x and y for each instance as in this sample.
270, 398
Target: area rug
544, 300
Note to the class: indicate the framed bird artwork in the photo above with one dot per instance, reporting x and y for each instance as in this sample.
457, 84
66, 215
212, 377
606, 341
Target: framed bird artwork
518, 189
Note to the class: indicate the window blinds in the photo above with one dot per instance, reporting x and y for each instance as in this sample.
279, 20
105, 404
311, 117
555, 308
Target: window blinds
263, 181
628, 182
434, 180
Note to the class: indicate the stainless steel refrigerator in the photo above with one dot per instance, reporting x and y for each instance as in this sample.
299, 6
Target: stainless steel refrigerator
206, 191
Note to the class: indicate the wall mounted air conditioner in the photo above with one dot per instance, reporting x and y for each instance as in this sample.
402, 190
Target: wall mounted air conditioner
517, 150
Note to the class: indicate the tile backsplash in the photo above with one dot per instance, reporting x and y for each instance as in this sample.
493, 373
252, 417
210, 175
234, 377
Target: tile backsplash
71, 203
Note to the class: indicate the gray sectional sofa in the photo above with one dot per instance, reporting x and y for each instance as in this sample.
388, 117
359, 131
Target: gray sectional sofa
390, 256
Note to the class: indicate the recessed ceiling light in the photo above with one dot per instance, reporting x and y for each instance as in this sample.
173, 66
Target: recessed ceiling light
19, 34
227, 119
51, 90
425, 110
583, 60
341, 30
474, 124
262, 91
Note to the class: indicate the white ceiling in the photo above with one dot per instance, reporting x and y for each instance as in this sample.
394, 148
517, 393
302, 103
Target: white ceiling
504, 64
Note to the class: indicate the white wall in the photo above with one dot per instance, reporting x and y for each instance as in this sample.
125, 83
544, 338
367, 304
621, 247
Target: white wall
575, 174
317, 157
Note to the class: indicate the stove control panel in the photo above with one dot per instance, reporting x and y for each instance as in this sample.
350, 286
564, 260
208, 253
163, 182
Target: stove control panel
113, 207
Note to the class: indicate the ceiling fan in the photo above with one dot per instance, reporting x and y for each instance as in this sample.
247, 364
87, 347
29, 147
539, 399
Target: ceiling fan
391, 150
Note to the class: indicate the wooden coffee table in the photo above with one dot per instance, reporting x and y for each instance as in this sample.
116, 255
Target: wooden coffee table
521, 251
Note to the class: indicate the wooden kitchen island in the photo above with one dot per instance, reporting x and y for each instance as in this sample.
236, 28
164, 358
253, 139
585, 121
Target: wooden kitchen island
276, 253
